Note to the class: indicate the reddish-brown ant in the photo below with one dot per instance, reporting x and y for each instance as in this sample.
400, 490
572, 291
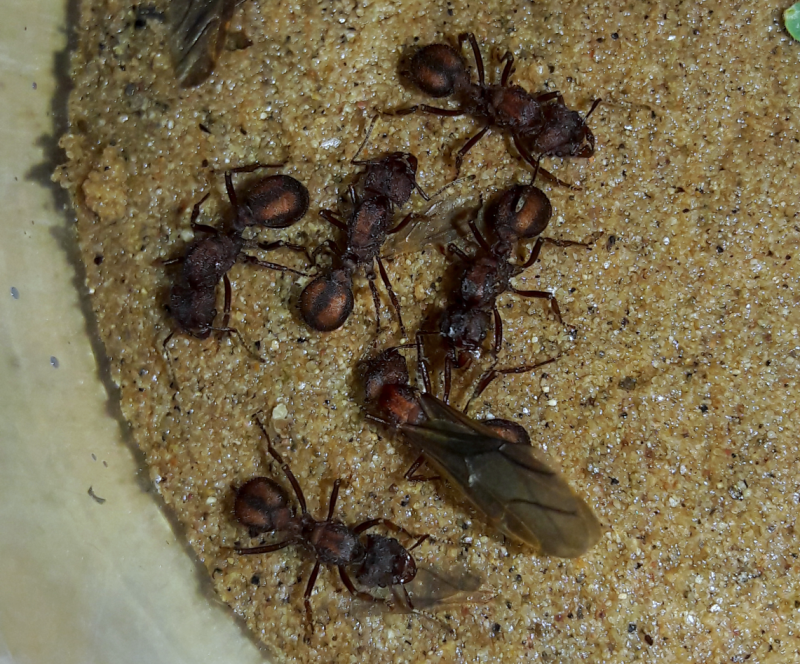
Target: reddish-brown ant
518, 213
379, 562
541, 124
491, 463
326, 302
277, 201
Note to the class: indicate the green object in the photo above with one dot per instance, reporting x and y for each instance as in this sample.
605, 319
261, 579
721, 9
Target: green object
791, 19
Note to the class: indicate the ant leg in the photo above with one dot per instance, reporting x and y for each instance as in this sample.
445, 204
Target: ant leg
254, 167
453, 249
284, 467
507, 71
402, 224
549, 96
544, 295
392, 295
422, 363
540, 242
448, 372
226, 311
595, 104
269, 548
307, 594
196, 214
411, 475
526, 156
432, 110
280, 244
204, 228
481, 240
492, 374
171, 261
468, 36
334, 497
498, 330
355, 160
469, 145
252, 260
360, 594
376, 300
331, 218
371, 523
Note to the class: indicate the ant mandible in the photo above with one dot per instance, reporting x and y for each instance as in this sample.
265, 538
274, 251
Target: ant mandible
540, 124
264, 506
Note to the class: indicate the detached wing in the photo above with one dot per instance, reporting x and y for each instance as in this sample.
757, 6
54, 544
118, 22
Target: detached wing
520, 495
198, 30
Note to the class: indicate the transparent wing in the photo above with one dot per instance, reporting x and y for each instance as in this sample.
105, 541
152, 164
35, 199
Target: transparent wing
444, 221
197, 36
433, 589
517, 492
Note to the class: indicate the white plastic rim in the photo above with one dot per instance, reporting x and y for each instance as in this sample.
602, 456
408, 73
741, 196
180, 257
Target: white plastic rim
81, 582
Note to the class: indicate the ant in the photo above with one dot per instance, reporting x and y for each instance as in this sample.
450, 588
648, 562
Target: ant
264, 506
277, 201
388, 182
541, 124
521, 212
491, 462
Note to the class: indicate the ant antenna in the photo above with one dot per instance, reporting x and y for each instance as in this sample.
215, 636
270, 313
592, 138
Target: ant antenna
355, 160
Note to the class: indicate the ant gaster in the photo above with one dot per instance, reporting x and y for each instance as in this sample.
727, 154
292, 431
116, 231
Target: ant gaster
263, 506
277, 201
387, 183
541, 124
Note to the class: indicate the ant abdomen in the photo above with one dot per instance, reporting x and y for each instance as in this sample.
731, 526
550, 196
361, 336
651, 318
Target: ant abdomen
263, 506
277, 201
327, 302
438, 70
520, 212
510, 431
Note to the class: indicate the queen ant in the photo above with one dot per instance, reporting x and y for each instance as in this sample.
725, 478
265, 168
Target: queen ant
263, 506
538, 124
491, 462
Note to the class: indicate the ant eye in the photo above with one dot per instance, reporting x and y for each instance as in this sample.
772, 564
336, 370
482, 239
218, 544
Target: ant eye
438, 70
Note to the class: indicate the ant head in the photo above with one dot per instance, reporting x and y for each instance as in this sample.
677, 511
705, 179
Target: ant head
387, 368
520, 212
393, 176
327, 302
386, 563
193, 308
263, 506
565, 133
465, 327
438, 70
510, 431
277, 201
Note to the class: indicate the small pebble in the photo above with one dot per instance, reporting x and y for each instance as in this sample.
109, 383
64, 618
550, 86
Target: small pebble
54, 361
14, 293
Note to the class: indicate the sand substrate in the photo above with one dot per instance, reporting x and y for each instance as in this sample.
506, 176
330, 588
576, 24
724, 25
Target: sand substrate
673, 406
